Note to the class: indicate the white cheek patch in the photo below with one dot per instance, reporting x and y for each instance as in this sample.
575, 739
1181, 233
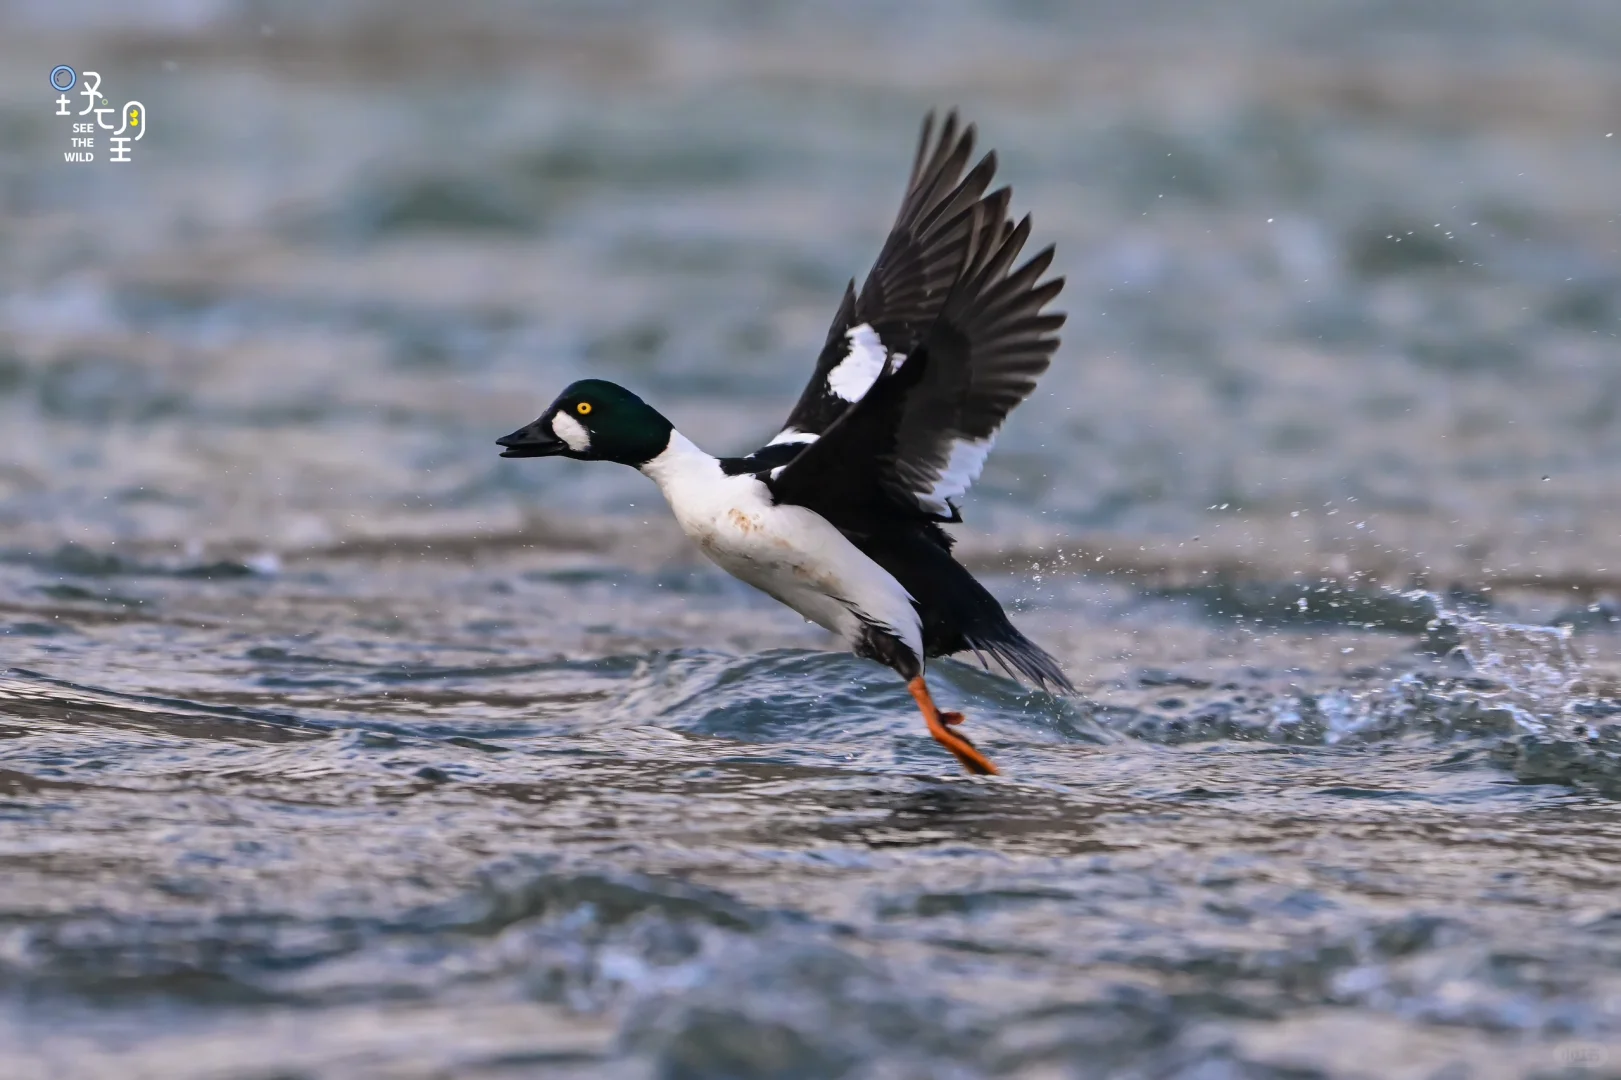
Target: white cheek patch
571, 431
860, 367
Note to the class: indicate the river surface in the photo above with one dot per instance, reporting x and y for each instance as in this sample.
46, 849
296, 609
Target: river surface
332, 745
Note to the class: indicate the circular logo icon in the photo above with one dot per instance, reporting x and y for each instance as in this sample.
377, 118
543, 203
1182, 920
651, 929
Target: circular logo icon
63, 78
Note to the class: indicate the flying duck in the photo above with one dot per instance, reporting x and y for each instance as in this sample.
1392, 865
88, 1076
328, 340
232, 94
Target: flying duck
839, 516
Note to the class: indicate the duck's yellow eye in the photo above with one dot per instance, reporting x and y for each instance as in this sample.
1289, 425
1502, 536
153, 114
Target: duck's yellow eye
583, 408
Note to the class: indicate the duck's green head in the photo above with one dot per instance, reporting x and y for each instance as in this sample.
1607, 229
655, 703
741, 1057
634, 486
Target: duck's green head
593, 420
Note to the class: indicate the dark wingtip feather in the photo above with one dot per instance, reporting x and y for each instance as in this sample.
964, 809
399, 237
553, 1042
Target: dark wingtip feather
922, 148
1038, 263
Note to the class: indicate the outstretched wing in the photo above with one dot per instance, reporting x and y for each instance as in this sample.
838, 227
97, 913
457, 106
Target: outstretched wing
919, 436
902, 296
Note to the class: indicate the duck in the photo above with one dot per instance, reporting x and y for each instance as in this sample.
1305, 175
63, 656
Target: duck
841, 515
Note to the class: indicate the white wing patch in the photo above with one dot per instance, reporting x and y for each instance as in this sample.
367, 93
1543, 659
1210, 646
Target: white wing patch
962, 469
861, 366
792, 435
571, 431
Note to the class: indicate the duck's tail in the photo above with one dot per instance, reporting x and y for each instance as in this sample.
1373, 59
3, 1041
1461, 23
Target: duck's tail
958, 613
1016, 654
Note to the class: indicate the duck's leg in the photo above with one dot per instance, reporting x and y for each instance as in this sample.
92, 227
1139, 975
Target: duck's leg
940, 725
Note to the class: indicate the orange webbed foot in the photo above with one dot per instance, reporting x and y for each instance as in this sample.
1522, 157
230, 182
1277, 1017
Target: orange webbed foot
940, 726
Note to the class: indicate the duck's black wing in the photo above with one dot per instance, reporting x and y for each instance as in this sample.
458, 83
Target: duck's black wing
887, 468
903, 293
917, 439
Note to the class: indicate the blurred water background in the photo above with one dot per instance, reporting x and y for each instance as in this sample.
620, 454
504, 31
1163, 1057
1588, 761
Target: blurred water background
335, 746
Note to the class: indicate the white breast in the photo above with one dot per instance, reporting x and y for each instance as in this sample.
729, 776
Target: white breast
787, 552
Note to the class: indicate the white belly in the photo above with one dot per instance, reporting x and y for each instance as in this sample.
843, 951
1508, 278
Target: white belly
779, 551
787, 552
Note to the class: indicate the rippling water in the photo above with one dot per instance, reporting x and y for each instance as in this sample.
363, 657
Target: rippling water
335, 746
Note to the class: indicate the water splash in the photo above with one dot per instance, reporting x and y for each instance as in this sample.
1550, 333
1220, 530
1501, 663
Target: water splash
1539, 673
1545, 681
